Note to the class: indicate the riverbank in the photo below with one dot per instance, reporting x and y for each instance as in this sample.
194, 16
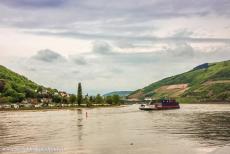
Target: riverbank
60, 108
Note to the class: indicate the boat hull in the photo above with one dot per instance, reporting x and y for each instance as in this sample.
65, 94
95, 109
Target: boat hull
160, 105
147, 109
159, 108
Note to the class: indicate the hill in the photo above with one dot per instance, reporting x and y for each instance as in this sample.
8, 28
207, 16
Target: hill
15, 87
206, 82
120, 93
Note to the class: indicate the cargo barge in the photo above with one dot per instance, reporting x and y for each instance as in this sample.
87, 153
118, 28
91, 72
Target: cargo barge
160, 105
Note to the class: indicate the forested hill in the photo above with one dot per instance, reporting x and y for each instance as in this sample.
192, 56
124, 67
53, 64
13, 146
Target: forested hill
15, 87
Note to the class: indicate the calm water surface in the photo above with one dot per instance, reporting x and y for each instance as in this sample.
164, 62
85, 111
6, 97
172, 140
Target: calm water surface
195, 129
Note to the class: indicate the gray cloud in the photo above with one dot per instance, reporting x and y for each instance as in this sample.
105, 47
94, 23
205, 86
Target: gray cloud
124, 44
79, 60
128, 21
181, 50
33, 3
101, 47
146, 38
48, 56
103, 16
182, 33
175, 52
75, 72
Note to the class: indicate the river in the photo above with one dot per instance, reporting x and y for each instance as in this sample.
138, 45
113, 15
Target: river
193, 129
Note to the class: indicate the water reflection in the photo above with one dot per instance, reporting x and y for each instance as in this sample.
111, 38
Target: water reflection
80, 125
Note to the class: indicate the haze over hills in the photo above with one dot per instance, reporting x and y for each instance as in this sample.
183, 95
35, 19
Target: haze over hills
206, 82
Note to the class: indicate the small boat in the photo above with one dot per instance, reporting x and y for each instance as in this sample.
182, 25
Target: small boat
160, 105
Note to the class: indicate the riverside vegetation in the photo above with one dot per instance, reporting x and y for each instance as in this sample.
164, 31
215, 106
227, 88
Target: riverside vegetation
16, 91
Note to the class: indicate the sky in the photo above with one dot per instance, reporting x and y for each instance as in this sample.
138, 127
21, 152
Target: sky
111, 45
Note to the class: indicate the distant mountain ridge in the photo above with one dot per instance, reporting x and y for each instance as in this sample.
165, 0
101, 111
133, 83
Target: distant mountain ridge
120, 93
206, 82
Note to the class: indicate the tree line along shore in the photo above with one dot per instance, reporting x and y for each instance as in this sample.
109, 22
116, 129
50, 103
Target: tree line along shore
47, 98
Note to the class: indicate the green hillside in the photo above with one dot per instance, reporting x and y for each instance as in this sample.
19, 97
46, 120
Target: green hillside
120, 93
15, 87
206, 82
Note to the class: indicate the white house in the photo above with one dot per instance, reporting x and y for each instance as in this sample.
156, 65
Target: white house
51, 105
28, 105
148, 99
64, 105
38, 105
15, 106
6, 106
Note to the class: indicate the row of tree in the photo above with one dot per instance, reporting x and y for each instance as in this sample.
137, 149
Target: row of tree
15, 93
89, 100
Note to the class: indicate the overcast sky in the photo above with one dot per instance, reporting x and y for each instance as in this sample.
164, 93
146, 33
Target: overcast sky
111, 45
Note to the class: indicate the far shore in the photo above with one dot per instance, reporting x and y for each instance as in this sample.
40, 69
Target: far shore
90, 107
60, 108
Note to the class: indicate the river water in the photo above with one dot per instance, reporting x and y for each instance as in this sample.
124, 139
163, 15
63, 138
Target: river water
193, 129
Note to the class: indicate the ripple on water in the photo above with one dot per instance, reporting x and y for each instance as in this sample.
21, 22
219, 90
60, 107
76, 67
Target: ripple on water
199, 128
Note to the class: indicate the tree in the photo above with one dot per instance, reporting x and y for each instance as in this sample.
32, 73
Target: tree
72, 98
116, 99
99, 99
79, 94
4, 100
2, 85
91, 99
16, 97
57, 98
30, 93
39, 90
109, 100
64, 99
87, 102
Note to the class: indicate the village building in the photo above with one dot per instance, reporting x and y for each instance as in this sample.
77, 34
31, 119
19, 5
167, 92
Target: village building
64, 105
6, 106
51, 105
64, 94
15, 106
38, 105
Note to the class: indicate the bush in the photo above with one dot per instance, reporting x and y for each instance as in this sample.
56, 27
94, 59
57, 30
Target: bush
72, 99
4, 100
109, 100
30, 93
116, 99
98, 99
2, 85
57, 99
